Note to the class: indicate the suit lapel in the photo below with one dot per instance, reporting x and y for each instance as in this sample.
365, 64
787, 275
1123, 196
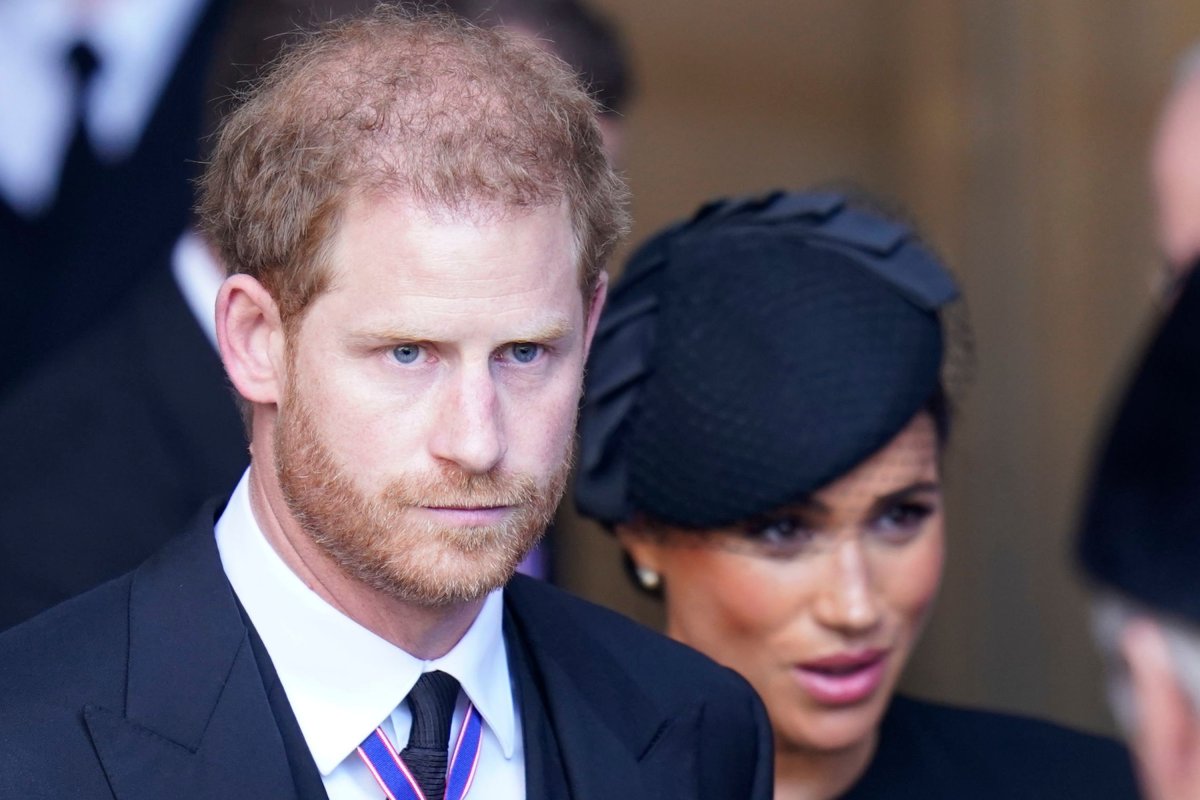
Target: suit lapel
196, 721
613, 738
544, 770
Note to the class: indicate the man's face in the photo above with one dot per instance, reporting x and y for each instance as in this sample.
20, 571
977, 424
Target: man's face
423, 439
1176, 177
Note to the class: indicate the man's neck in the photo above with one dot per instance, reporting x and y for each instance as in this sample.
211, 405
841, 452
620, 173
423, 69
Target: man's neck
424, 632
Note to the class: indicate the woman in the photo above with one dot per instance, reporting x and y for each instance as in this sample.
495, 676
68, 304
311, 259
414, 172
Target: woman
762, 429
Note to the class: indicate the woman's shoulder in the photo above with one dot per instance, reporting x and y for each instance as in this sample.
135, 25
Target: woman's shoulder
936, 750
969, 727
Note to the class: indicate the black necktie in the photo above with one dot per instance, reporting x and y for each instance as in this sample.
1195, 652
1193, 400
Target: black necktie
432, 703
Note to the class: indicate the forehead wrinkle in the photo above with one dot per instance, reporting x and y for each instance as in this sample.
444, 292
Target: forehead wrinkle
426, 267
430, 281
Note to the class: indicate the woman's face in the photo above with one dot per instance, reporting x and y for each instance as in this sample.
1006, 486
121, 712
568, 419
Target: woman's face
817, 604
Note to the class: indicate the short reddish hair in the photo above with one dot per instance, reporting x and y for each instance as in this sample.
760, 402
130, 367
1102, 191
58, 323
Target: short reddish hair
424, 106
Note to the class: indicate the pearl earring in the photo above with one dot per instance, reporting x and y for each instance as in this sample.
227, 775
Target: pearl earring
648, 578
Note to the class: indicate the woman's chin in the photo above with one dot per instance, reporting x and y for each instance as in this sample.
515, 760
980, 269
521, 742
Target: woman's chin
831, 730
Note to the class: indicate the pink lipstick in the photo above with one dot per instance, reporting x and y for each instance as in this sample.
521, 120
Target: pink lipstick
843, 678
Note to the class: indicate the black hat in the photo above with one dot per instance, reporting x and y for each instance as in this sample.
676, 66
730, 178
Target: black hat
1141, 523
754, 353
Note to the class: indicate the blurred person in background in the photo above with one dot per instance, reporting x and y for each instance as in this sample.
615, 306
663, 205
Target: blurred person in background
114, 442
1175, 172
766, 405
1140, 548
100, 110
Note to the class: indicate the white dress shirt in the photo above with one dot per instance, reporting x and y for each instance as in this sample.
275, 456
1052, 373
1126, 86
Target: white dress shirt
343, 681
138, 43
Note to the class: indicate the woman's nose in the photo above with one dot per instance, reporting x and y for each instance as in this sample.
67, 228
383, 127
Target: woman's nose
848, 601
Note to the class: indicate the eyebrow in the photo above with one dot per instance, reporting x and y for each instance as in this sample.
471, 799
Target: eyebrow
811, 503
543, 331
920, 487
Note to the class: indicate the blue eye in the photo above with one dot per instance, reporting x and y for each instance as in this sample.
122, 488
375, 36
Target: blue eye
406, 353
526, 352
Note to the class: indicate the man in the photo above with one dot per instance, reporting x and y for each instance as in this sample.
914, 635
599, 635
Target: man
1175, 170
114, 441
415, 214
1140, 545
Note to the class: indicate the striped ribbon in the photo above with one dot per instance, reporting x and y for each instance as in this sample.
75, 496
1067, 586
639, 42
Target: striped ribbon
399, 784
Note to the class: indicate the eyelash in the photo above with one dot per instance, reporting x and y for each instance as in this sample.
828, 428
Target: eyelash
902, 521
540, 351
780, 536
394, 350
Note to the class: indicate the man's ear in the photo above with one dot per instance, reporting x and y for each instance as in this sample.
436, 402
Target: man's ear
595, 306
1166, 737
250, 337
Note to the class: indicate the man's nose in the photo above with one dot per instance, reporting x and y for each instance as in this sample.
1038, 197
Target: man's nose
468, 431
848, 601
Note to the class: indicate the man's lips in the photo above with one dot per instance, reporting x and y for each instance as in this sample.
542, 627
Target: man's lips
843, 678
468, 515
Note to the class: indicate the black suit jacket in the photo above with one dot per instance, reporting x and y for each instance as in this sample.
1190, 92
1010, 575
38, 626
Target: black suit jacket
110, 448
148, 687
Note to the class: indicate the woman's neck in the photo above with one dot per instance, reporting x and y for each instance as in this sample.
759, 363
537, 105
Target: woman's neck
808, 775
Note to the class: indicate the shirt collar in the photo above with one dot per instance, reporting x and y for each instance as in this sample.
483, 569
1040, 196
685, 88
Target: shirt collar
340, 678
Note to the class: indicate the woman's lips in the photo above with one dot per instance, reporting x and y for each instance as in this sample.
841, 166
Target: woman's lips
843, 678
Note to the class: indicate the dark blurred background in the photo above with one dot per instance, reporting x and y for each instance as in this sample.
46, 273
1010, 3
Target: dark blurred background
1017, 134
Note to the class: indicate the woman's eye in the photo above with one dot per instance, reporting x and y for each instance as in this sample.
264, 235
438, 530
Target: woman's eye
903, 519
406, 353
781, 533
525, 352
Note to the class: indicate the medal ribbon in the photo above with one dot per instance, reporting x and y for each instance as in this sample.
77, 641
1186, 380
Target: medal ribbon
399, 784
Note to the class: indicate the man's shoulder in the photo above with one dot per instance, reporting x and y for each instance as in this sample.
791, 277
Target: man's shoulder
53, 668
77, 643
570, 624
69, 650
663, 697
